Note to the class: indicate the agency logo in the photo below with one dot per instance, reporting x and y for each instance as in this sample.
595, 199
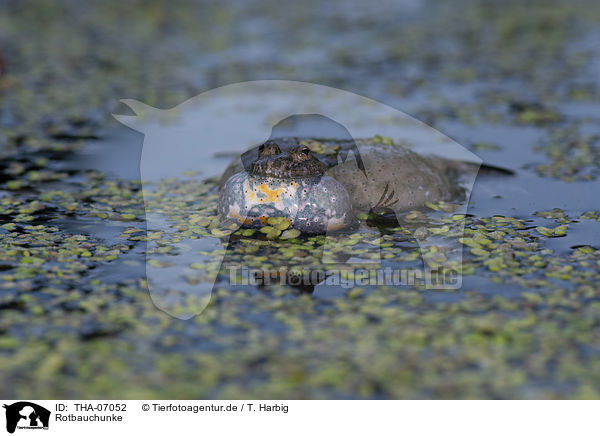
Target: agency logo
25, 415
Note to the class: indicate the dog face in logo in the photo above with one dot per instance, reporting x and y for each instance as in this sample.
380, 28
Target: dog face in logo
193, 137
26, 414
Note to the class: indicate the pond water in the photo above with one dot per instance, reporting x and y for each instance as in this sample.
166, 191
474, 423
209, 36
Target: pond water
517, 86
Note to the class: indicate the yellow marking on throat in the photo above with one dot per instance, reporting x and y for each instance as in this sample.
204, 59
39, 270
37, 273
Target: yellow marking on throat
273, 195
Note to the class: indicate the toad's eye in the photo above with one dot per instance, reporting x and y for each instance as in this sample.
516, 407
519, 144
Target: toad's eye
301, 153
269, 148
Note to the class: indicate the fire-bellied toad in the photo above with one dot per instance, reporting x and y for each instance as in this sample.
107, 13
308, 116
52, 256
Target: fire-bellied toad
291, 184
283, 177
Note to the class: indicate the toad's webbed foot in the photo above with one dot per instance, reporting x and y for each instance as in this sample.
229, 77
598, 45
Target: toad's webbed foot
387, 199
